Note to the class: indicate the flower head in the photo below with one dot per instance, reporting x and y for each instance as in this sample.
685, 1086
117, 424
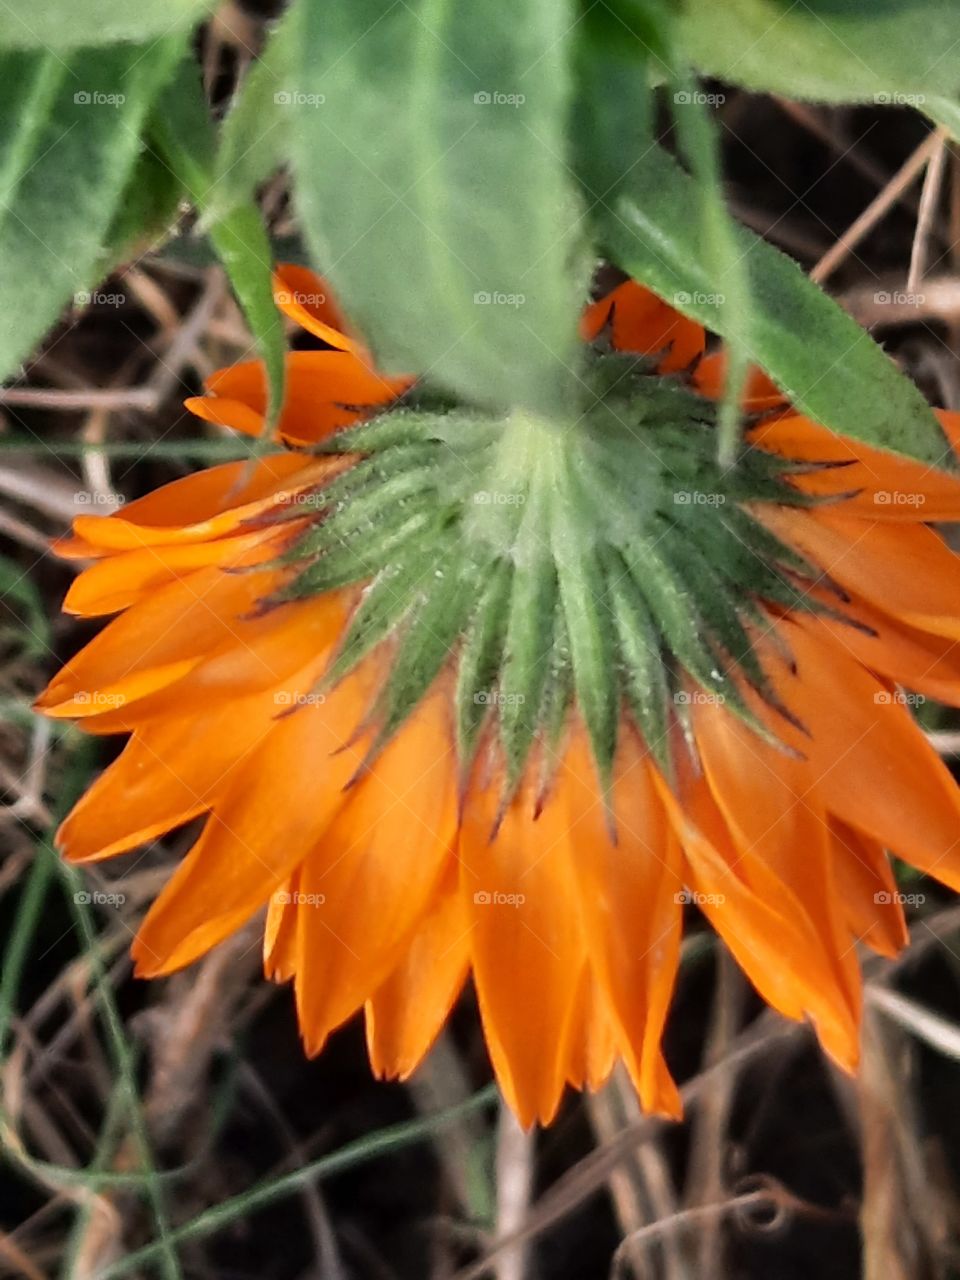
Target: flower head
462, 697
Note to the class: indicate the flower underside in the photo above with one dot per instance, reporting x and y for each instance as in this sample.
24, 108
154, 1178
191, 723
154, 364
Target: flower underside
609, 562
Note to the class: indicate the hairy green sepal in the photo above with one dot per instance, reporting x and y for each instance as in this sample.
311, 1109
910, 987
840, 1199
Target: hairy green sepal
606, 563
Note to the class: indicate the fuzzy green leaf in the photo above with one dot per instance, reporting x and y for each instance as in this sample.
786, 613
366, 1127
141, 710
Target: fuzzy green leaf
887, 51
76, 134
70, 24
428, 148
828, 366
184, 135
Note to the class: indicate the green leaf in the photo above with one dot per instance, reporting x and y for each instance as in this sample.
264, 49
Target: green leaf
428, 147
66, 154
185, 137
254, 139
614, 112
29, 85
828, 366
68, 24
944, 112
887, 51
146, 214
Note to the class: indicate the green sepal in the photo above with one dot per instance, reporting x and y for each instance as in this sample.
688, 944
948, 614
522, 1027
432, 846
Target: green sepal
528, 639
360, 559
430, 635
643, 673
582, 594
391, 595
480, 658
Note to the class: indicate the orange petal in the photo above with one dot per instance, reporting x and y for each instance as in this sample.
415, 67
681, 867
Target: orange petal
276, 809
206, 505
644, 323
375, 873
324, 390
928, 664
407, 1012
280, 931
628, 893
755, 914
759, 393
119, 581
884, 486
156, 641
521, 896
769, 801
592, 1042
905, 570
308, 300
868, 891
871, 764
175, 766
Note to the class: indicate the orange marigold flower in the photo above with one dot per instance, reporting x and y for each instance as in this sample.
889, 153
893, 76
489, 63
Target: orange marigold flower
461, 697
